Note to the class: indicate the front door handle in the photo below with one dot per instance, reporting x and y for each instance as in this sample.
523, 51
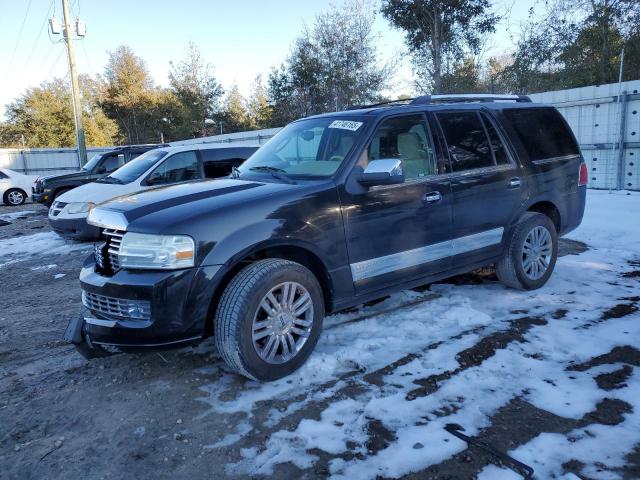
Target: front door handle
431, 197
514, 183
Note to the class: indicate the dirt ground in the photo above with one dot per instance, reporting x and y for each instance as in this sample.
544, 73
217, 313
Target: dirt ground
148, 415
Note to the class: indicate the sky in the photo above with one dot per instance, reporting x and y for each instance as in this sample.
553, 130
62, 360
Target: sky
240, 38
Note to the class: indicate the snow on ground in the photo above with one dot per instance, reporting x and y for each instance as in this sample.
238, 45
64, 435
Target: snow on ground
15, 249
414, 370
13, 215
384, 381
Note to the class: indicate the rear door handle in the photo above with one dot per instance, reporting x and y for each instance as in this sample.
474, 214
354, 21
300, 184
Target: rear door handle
514, 183
431, 197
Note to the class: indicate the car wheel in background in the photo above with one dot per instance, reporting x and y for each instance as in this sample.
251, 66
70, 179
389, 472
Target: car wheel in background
531, 254
14, 197
269, 319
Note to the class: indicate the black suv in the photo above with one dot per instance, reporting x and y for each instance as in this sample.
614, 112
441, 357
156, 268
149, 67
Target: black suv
335, 210
46, 189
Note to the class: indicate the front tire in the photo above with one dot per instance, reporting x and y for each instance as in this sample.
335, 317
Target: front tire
14, 197
531, 253
269, 319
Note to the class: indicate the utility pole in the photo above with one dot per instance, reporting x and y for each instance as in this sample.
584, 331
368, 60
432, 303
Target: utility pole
75, 89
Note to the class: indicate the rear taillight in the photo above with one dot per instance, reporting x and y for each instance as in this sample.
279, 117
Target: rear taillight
583, 178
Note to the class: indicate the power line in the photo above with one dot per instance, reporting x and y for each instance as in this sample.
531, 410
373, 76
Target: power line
33, 48
55, 64
15, 48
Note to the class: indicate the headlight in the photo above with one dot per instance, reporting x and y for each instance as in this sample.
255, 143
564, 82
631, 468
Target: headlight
166, 252
79, 207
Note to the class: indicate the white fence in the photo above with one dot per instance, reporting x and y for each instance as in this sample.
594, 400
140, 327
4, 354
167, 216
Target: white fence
605, 119
606, 122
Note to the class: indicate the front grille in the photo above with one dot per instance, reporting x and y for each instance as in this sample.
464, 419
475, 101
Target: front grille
117, 307
56, 208
114, 240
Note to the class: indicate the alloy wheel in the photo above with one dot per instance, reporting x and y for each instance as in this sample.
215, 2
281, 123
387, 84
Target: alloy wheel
536, 252
282, 322
15, 197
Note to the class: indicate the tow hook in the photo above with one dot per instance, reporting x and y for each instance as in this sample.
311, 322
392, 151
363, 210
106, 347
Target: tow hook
520, 468
74, 335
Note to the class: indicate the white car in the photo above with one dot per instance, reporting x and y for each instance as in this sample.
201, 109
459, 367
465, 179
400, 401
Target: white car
158, 167
15, 188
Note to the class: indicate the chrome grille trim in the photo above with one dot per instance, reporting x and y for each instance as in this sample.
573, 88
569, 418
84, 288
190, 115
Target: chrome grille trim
114, 241
56, 208
117, 307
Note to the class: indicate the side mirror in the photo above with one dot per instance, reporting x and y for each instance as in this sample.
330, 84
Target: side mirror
382, 172
101, 169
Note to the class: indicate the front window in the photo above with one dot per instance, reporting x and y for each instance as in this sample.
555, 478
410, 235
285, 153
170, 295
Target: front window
309, 148
90, 165
112, 163
135, 168
180, 167
407, 139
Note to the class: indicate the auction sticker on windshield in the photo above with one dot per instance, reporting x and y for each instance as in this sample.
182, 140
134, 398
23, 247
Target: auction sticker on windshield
346, 125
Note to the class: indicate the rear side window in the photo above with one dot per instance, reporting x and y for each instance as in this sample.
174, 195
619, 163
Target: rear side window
543, 132
3, 176
467, 141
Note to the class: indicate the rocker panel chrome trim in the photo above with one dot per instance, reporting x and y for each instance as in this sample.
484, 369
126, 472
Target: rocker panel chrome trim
430, 253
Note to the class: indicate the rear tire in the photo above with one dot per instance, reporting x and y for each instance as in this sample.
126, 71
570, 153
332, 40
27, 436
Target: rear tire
269, 319
14, 197
531, 253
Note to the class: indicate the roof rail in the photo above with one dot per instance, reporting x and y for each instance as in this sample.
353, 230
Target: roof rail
468, 97
381, 104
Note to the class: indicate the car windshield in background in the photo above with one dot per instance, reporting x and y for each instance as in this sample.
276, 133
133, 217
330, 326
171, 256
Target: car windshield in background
90, 165
136, 167
309, 148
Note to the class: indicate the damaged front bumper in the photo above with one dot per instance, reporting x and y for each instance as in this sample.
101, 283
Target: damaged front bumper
74, 334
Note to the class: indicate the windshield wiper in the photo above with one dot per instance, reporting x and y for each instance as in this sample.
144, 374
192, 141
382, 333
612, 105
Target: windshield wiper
274, 171
109, 179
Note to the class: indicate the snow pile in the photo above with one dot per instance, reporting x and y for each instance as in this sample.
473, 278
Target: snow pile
15, 249
419, 367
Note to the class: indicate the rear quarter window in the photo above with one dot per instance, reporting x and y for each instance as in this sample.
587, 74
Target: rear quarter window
543, 132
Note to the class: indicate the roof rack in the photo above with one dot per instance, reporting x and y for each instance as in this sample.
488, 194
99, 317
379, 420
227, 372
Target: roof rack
388, 102
468, 97
450, 98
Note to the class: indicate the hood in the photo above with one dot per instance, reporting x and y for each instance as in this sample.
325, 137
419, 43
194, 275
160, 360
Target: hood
97, 192
171, 205
62, 177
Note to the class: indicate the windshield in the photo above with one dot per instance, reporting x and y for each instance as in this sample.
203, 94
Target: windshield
90, 165
309, 148
136, 167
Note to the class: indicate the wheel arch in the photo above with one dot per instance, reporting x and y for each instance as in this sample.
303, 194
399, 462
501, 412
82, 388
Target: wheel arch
549, 209
5, 195
293, 251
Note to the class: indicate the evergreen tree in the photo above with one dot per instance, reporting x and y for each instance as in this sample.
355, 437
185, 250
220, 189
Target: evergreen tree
198, 92
440, 32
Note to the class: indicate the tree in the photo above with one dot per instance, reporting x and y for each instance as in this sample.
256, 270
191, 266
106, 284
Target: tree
574, 44
333, 65
439, 32
234, 116
258, 109
43, 116
131, 99
198, 92
465, 77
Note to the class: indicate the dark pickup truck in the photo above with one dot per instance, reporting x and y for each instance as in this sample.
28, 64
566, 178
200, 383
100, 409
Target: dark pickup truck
334, 211
46, 189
